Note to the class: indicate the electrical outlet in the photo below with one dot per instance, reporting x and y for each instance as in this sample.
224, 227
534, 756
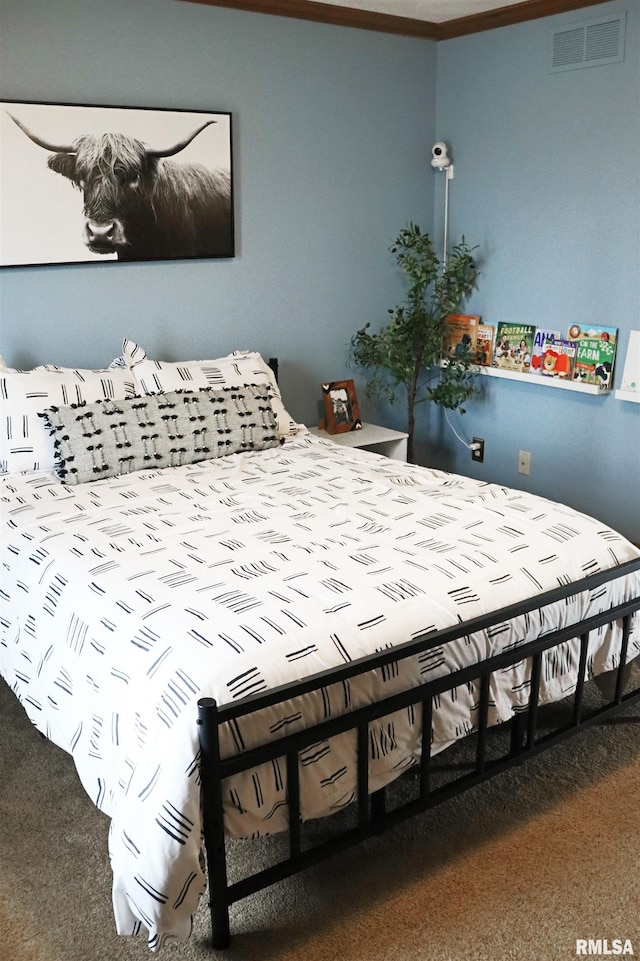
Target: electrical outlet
524, 462
477, 452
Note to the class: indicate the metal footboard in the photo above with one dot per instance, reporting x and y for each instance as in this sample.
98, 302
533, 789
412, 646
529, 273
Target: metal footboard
373, 817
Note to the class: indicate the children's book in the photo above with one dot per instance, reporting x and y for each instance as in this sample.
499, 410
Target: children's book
460, 336
513, 347
558, 359
484, 344
541, 339
595, 353
592, 332
594, 362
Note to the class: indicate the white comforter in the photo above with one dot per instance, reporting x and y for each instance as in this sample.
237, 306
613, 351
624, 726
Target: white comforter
125, 601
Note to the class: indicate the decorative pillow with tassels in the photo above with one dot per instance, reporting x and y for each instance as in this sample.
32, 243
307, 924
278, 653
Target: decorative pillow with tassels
108, 437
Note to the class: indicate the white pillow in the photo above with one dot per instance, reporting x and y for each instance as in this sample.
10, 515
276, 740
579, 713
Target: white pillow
239, 367
25, 444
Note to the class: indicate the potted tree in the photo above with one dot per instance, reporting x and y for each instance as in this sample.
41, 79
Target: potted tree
407, 352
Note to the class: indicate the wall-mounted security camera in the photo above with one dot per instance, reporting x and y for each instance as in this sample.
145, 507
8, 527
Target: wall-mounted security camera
440, 158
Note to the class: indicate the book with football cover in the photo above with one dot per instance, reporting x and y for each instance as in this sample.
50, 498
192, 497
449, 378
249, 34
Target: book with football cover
484, 344
513, 347
541, 338
460, 336
558, 359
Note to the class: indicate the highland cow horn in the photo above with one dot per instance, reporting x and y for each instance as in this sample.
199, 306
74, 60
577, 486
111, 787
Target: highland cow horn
172, 151
54, 148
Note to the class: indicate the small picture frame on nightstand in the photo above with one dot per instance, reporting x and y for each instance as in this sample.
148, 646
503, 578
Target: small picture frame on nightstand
341, 412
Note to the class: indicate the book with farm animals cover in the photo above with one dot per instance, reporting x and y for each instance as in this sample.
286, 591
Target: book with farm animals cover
595, 353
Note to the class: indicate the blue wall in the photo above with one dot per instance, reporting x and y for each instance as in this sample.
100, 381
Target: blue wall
547, 181
332, 135
332, 131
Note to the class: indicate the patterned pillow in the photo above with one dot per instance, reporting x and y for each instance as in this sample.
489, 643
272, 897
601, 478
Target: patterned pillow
240, 367
24, 442
99, 440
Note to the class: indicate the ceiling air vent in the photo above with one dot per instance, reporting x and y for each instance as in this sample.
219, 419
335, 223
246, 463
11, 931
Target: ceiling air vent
590, 43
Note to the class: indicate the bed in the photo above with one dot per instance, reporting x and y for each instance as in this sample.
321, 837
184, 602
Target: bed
236, 627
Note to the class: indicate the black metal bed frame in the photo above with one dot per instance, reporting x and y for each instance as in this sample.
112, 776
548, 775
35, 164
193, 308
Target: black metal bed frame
372, 815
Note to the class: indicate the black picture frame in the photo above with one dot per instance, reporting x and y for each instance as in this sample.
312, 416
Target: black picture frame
153, 184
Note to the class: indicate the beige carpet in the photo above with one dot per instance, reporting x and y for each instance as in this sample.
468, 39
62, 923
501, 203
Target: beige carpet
517, 869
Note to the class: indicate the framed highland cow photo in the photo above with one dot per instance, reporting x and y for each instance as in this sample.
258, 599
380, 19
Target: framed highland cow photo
83, 184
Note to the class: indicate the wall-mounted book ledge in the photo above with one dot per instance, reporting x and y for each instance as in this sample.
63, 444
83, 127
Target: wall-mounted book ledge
632, 395
541, 381
579, 359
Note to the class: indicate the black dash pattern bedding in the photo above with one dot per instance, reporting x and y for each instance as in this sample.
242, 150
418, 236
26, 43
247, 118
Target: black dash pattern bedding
107, 438
125, 600
24, 441
239, 367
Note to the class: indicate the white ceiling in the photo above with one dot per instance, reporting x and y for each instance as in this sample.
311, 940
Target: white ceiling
434, 11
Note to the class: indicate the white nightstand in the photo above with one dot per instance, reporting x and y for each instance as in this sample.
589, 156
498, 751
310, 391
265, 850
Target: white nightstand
379, 440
